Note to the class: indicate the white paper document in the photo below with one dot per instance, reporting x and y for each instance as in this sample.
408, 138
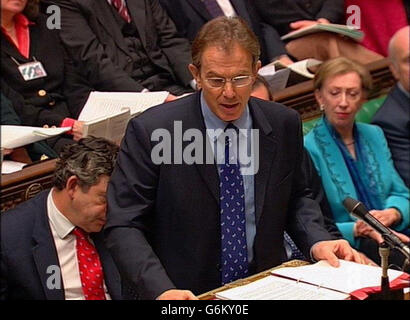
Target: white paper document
106, 104
106, 114
16, 136
348, 277
9, 166
276, 288
280, 76
302, 67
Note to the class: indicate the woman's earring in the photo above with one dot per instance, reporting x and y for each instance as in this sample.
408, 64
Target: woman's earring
322, 107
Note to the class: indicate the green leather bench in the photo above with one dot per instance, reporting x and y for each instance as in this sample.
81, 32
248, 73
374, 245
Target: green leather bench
365, 114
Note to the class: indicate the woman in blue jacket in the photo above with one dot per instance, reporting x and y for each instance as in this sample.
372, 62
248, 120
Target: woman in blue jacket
352, 158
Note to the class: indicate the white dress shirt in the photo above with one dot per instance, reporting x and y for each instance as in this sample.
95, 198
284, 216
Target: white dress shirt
65, 243
227, 8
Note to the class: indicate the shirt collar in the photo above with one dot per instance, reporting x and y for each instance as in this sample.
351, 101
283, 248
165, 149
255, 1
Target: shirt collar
21, 20
212, 122
403, 90
61, 224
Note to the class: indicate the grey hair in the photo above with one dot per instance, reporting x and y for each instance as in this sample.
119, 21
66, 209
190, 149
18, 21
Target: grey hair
88, 160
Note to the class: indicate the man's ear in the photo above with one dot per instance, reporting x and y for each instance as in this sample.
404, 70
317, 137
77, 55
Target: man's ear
71, 186
258, 66
394, 70
195, 73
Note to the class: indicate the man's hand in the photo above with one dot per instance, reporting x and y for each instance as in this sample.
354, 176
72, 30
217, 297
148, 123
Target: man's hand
285, 60
333, 249
307, 23
78, 130
175, 294
170, 97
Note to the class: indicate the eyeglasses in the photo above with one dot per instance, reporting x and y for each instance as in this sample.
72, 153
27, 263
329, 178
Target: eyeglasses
237, 82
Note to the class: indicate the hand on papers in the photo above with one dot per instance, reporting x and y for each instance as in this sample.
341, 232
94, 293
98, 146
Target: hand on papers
285, 60
175, 294
78, 130
307, 23
6, 151
170, 97
333, 249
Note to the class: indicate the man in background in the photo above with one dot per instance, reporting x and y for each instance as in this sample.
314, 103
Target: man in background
125, 45
394, 115
51, 245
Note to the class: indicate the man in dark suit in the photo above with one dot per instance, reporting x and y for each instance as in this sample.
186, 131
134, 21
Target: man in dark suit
184, 216
394, 115
40, 258
125, 45
289, 15
190, 15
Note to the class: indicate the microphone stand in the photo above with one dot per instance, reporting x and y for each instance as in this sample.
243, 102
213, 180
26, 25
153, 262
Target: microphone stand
386, 292
384, 252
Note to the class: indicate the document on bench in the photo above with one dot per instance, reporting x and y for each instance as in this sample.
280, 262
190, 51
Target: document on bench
281, 76
358, 280
276, 288
17, 136
106, 114
319, 281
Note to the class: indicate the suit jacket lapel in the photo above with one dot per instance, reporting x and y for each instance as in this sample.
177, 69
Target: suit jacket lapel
267, 150
208, 172
107, 20
137, 11
44, 252
241, 10
11, 50
200, 8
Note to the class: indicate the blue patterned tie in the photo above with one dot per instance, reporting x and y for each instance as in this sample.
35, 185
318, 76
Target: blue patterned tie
213, 8
234, 255
296, 253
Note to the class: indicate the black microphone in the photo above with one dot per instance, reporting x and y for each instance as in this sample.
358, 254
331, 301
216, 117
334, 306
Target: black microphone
358, 209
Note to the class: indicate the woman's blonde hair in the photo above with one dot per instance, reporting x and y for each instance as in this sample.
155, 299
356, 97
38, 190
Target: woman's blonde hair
340, 66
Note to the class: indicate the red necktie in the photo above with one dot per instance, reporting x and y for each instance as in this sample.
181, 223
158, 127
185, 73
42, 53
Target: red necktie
121, 7
91, 272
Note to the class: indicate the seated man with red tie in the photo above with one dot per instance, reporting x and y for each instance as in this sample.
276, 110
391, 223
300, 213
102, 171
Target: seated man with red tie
51, 245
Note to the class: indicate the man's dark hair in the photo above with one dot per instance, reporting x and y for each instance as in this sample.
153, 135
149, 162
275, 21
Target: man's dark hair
88, 159
224, 32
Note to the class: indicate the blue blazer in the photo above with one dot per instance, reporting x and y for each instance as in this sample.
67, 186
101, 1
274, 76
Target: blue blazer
394, 118
27, 251
338, 184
